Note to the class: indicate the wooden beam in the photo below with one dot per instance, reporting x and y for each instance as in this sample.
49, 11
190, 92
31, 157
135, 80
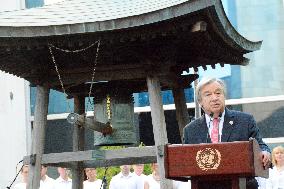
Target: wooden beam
171, 80
78, 143
200, 26
38, 136
182, 115
159, 126
101, 158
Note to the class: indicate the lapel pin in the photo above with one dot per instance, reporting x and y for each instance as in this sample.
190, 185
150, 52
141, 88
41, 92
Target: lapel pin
231, 122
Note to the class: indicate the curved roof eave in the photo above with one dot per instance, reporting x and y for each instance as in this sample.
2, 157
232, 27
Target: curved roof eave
228, 32
177, 8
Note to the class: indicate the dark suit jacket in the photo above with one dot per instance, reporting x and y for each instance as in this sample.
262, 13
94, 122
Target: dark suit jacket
237, 126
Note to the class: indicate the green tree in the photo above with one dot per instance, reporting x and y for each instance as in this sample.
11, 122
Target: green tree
109, 172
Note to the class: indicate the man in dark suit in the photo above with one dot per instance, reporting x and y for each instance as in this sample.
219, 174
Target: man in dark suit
219, 124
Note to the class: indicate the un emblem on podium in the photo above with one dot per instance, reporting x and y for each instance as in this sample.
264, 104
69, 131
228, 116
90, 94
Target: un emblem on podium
208, 159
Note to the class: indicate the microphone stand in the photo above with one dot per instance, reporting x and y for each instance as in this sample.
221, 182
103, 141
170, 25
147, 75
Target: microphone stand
8, 187
104, 182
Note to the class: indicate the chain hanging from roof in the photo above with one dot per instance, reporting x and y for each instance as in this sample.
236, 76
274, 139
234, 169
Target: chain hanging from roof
50, 46
74, 117
113, 116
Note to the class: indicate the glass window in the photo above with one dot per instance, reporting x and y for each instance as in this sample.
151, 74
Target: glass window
34, 3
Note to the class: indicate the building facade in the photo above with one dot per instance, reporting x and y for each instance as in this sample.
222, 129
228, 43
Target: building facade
14, 115
259, 86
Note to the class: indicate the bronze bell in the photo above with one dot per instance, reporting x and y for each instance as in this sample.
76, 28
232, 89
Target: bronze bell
118, 110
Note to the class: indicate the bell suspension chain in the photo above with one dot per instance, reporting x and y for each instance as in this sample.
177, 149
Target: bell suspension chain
93, 75
72, 117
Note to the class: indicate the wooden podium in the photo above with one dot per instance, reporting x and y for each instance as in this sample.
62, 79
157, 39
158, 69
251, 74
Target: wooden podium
232, 161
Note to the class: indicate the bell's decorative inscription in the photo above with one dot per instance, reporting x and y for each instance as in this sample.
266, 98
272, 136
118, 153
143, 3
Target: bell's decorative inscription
208, 159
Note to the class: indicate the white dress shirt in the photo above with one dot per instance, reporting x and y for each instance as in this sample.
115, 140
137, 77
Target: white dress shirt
92, 185
181, 185
47, 183
130, 181
20, 185
209, 122
60, 183
276, 179
153, 184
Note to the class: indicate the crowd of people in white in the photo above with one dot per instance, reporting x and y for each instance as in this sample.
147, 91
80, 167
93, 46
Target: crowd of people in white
126, 179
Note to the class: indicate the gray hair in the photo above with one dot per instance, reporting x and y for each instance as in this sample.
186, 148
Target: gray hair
206, 81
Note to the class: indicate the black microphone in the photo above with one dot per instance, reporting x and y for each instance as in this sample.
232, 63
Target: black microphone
212, 114
104, 182
219, 117
211, 120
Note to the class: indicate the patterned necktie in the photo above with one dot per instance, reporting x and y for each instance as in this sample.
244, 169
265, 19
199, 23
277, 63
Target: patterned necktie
215, 131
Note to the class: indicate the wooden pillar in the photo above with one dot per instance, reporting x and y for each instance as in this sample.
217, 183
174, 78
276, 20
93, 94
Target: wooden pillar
159, 126
78, 144
38, 136
197, 106
181, 108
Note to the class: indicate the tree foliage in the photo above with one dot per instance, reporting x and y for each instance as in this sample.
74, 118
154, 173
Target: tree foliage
109, 172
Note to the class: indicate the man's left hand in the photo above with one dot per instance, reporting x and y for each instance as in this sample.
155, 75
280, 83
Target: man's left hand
266, 159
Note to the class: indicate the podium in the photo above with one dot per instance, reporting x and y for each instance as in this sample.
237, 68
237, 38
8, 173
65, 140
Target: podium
231, 161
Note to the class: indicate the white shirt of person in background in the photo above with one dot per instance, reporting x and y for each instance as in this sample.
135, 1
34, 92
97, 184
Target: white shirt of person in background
276, 179
181, 185
153, 180
126, 180
276, 174
92, 182
46, 182
138, 171
63, 181
25, 177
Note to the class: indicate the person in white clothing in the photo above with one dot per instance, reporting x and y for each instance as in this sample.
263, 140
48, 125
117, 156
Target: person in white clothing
138, 171
126, 180
276, 174
46, 182
181, 185
92, 182
153, 180
25, 178
261, 182
63, 181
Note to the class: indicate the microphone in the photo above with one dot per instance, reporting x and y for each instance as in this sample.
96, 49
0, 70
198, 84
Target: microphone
210, 123
104, 182
212, 114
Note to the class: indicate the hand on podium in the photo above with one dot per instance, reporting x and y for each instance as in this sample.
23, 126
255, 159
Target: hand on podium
266, 159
